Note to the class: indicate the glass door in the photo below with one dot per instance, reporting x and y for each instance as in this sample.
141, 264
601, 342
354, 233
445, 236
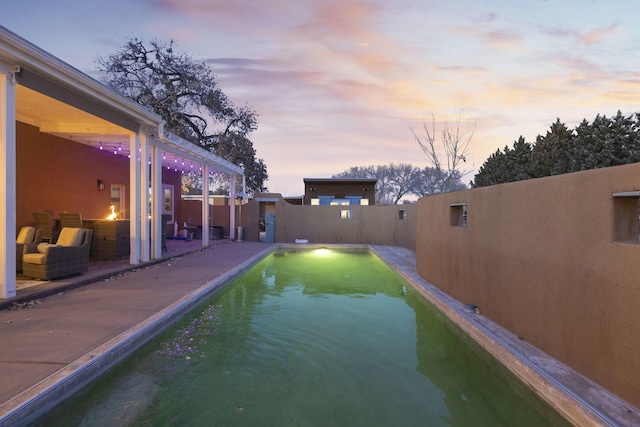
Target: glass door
118, 200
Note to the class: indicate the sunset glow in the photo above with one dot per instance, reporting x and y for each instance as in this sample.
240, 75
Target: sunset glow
341, 83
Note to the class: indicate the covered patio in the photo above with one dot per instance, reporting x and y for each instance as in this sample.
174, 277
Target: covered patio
76, 119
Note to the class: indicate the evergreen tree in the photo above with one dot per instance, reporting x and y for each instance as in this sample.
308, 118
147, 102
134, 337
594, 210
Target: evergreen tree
603, 143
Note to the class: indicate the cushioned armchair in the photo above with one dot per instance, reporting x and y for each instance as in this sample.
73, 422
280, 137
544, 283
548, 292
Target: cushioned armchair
26, 236
68, 257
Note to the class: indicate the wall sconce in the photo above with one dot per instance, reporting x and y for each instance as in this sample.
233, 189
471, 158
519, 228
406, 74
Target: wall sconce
100, 185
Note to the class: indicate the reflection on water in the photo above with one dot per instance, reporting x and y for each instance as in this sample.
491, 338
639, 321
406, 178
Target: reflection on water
312, 339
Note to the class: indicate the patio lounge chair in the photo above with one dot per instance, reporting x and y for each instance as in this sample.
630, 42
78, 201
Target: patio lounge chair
73, 220
70, 256
48, 226
26, 236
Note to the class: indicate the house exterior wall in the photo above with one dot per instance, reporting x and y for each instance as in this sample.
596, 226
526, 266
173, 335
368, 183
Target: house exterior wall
539, 258
338, 188
377, 225
57, 175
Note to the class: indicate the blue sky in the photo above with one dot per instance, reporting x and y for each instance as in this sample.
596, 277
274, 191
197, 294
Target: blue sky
341, 83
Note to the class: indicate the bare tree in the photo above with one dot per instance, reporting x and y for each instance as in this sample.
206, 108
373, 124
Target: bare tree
185, 93
453, 144
395, 181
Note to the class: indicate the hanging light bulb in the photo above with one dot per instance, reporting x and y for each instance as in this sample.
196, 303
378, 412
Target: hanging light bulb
101, 147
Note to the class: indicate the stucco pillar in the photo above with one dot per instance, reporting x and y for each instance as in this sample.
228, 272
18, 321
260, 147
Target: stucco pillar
7, 182
205, 205
156, 202
144, 199
134, 198
232, 206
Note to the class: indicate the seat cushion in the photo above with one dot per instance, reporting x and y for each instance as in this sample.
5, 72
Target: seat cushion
26, 235
70, 236
34, 258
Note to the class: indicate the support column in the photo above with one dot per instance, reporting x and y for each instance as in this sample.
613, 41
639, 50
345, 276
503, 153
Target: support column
206, 220
134, 198
156, 202
7, 182
144, 199
232, 206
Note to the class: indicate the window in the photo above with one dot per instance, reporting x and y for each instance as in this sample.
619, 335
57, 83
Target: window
458, 215
345, 214
340, 202
364, 202
402, 214
167, 205
626, 217
315, 201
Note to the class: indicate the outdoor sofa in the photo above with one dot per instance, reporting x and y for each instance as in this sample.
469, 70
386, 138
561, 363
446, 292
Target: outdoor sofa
68, 257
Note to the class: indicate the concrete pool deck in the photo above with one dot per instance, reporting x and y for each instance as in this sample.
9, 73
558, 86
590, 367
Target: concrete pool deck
53, 348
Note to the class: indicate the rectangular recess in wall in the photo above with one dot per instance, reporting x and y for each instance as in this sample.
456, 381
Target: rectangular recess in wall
402, 214
345, 214
626, 217
458, 215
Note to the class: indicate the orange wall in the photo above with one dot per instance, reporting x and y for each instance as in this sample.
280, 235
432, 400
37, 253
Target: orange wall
57, 175
538, 258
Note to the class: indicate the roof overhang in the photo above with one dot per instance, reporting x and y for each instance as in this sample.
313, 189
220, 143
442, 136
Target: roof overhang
60, 100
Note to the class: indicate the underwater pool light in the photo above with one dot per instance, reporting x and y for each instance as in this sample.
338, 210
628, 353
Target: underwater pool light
322, 251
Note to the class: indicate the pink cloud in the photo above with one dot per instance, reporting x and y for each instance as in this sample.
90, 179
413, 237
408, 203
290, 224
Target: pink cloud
597, 35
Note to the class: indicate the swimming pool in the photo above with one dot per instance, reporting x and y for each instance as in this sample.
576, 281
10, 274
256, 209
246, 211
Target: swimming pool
312, 337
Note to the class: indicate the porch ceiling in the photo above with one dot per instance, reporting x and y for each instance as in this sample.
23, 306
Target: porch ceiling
65, 121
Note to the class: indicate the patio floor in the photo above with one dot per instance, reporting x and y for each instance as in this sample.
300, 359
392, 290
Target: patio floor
28, 289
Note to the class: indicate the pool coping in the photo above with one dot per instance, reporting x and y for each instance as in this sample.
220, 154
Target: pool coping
578, 399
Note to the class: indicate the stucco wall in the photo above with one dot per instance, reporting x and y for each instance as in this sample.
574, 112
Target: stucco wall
57, 175
539, 258
378, 225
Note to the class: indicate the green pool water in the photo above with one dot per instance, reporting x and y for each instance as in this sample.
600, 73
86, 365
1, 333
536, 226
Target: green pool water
311, 338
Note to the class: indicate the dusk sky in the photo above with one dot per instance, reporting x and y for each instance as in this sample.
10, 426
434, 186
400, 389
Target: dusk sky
340, 83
